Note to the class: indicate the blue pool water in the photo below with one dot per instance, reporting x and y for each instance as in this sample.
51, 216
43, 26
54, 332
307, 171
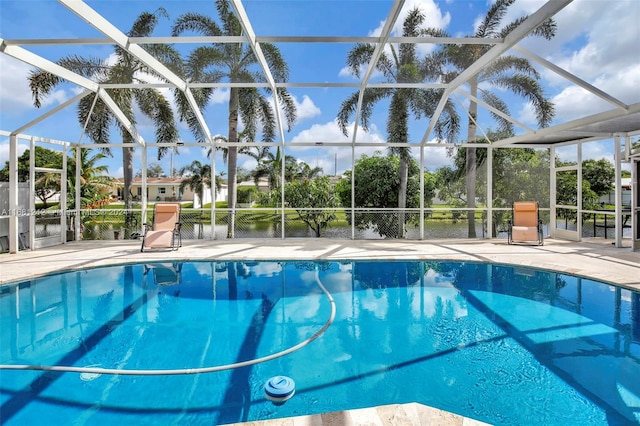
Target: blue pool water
502, 344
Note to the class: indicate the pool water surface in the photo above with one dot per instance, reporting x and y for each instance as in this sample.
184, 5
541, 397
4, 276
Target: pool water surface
497, 343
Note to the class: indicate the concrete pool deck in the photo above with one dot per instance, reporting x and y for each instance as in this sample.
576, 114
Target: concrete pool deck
596, 259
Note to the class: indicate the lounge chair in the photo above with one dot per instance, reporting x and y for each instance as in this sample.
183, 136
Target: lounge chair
165, 230
165, 274
526, 225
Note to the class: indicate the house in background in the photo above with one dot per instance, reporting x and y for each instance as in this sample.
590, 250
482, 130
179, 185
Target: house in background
261, 186
167, 189
610, 198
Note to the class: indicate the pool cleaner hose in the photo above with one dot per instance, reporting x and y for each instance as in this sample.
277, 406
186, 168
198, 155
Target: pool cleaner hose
183, 371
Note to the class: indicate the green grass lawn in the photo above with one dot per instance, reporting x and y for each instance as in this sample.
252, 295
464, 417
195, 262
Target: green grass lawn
190, 215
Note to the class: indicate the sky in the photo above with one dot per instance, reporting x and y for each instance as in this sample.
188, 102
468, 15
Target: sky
596, 40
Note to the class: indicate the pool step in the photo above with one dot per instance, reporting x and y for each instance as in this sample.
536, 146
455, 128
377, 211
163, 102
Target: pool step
412, 414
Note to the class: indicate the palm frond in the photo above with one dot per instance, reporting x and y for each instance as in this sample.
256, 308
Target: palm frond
186, 113
41, 83
98, 119
359, 55
230, 23
530, 89
267, 118
387, 66
370, 98
547, 29
447, 126
155, 106
347, 109
504, 126
508, 64
200, 59
197, 23
277, 65
489, 25
288, 105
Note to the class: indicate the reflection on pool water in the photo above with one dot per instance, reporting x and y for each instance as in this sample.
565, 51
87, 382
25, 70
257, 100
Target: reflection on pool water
502, 344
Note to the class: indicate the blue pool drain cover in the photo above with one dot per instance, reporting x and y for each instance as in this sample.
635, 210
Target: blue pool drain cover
279, 389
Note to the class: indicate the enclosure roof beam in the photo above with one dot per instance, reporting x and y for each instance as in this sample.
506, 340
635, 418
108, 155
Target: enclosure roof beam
385, 33
44, 64
573, 126
548, 10
571, 77
262, 60
52, 112
108, 29
492, 109
48, 66
242, 39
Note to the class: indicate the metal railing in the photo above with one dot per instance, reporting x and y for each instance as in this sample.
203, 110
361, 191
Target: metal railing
359, 223
207, 224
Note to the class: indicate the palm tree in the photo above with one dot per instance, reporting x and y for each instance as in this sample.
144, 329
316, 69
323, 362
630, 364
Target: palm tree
198, 179
399, 65
95, 183
211, 64
270, 165
296, 170
127, 69
508, 72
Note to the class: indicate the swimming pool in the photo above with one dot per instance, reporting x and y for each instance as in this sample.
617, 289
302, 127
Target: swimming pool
502, 344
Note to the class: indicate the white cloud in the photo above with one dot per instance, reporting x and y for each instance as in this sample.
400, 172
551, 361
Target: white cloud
433, 19
119, 173
325, 157
249, 163
338, 159
434, 156
330, 132
601, 53
306, 108
220, 96
266, 269
4, 151
15, 88
574, 102
597, 150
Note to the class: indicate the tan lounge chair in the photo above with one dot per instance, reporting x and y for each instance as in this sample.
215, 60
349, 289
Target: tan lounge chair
165, 274
165, 230
526, 225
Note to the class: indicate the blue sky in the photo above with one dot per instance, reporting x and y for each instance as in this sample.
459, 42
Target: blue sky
597, 40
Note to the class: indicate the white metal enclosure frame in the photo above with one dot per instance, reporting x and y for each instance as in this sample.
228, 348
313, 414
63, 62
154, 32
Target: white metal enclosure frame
621, 122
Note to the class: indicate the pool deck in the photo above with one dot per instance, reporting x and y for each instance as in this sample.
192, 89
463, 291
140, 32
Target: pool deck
595, 258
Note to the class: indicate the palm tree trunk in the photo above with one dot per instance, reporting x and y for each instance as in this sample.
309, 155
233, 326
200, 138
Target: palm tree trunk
232, 160
471, 160
127, 170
